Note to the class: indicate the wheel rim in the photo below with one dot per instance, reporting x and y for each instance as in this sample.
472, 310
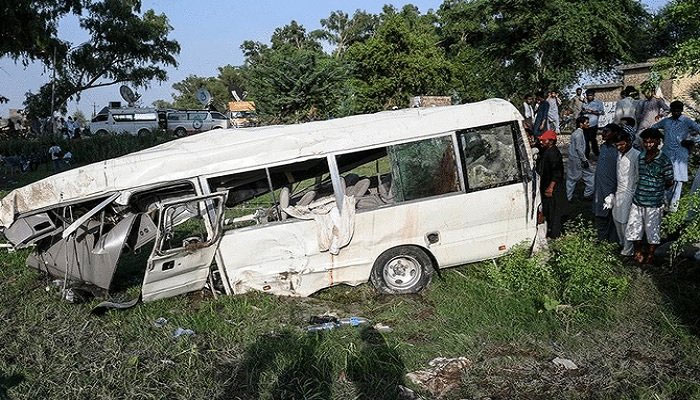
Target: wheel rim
402, 272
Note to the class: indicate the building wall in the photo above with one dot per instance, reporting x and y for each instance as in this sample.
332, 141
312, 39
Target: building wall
608, 94
683, 88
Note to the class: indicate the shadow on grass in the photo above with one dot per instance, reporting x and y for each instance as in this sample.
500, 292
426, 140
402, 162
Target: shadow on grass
681, 288
291, 366
7, 383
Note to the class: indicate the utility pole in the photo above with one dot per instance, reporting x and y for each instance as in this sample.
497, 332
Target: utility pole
53, 89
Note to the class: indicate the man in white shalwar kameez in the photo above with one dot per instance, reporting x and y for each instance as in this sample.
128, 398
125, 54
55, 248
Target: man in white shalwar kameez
577, 166
627, 176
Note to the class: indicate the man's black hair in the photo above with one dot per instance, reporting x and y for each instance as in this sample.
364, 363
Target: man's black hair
590, 91
651, 133
677, 105
623, 137
540, 93
630, 121
581, 120
527, 96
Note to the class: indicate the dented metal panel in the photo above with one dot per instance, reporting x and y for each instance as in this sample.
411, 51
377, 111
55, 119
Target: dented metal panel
84, 256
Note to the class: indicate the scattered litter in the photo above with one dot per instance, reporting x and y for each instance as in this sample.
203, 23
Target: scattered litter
105, 306
182, 332
167, 361
256, 308
564, 362
381, 328
407, 394
160, 322
444, 375
328, 322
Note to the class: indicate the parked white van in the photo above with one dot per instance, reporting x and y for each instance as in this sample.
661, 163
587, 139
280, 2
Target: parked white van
129, 120
388, 198
187, 122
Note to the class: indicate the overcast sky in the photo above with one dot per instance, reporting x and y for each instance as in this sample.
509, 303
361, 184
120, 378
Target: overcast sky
210, 34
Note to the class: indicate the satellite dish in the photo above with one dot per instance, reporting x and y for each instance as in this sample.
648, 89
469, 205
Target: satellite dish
203, 96
128, 95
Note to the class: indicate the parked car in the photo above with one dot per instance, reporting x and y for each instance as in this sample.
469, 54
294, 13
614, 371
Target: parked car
186, 122
387, 198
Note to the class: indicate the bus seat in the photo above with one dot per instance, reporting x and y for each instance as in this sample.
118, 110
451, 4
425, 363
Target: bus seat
284, 201
359, 189
307, 198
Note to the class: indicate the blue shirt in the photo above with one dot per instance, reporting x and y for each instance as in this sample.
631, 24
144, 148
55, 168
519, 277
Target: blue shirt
595, 105
675, 131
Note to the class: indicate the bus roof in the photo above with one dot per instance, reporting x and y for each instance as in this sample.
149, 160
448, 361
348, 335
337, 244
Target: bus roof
227, 150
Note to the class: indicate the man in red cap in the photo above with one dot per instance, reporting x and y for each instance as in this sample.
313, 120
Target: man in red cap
550, 167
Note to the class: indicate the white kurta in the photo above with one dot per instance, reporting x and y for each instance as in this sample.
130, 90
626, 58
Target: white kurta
627, 176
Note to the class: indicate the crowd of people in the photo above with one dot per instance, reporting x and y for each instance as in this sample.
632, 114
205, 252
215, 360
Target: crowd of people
632, 178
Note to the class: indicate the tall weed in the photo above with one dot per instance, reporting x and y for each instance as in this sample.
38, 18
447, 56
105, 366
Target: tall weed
577, 270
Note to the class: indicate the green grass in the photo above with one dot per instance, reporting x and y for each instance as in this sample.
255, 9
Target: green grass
640, 343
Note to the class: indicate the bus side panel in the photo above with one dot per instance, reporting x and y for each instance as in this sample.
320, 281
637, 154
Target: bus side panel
285, 258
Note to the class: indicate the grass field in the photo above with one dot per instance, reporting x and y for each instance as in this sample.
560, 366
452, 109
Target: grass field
639, 341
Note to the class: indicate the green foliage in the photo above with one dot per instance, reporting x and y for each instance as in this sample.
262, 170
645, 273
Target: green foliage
684, 223
514, 47
580, 270
125, 45
293, 81
342, 31
677, 26
522, 273
588, 271
88, 149
402, 59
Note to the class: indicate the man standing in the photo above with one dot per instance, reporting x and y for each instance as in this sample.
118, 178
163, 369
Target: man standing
578, 167
627, 175
655, 175
606, 184
577, 103
627, 106
528, 112
550, 167
650, 110
678, 130
593, 109
540, 124
55, 152
553, 114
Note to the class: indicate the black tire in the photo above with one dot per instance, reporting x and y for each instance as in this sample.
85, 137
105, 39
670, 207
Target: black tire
101, 132
402, 270
143, 132
180, 132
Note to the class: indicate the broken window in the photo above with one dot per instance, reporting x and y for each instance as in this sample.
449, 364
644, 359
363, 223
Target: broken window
489, 156
185, 226
423, 169
367, 176
258, 198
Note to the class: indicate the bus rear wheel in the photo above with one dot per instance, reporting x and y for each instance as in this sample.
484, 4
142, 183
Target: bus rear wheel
402, 270
101, 132
180, 132
143, 132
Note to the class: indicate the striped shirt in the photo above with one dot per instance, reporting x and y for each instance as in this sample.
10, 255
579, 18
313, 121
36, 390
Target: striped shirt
652, 180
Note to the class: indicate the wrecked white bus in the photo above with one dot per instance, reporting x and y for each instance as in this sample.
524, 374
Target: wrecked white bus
387, 198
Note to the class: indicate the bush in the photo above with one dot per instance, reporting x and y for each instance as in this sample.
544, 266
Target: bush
521, 273
88, 149
579, 270
588, 271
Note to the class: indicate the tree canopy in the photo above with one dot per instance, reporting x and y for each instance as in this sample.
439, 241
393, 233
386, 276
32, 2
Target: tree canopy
678, 28
125, 45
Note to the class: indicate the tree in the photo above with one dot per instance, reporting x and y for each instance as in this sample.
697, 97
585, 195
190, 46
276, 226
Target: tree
187, 90
511, 47
678, 27
293, 80
80, 118
124, 46
402, 59
29, 29
342, 32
